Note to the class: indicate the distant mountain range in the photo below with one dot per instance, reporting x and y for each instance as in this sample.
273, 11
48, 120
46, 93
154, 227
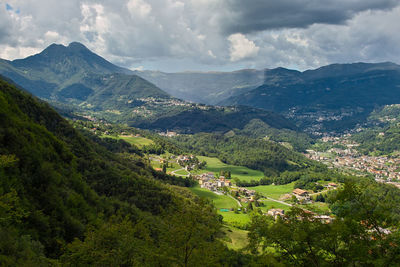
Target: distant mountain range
205, 87
74, 76
334, 97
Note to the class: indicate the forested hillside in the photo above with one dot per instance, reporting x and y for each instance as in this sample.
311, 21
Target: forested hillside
382, 136
65, 199
269, 157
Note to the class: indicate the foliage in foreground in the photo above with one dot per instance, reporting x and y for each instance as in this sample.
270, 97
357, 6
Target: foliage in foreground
364, 233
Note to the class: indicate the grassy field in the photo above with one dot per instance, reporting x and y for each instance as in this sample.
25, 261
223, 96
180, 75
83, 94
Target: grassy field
243, 173
223, 202
274, 191
137, 141
182, 172
318, 207
235, 238
269, 204
220, 201
233, 218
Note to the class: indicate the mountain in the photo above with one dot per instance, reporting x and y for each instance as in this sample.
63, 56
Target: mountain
335, 97
205, 87
73, 72
67, 200
381, 136
75, 78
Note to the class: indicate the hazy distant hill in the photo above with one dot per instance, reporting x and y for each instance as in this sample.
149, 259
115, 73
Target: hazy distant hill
335, 96
205, 87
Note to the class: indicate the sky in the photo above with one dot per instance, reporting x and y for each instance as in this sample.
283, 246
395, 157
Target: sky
207, 35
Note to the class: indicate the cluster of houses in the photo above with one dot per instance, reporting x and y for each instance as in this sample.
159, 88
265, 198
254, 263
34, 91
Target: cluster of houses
246, 195
189, 162
208, 181
281, 213
168, 134
184, 158
381, 167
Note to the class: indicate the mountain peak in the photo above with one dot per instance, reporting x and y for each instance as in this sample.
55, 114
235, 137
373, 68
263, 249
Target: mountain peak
53, 48
77, 46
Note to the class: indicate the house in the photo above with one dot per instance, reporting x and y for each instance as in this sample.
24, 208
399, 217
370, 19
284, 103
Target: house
220, 183
324, 218
276, 212
300, 192
332, 185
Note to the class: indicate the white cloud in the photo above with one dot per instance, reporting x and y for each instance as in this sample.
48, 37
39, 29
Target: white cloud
241, 47
94, 26
138, 8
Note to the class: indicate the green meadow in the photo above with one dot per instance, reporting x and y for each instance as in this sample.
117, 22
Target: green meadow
269, 204
273, 191
220, 201
235, 238
223, 202
137, 141
243, 173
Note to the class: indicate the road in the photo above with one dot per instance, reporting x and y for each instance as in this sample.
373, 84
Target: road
282, 202
173, 172
240, 204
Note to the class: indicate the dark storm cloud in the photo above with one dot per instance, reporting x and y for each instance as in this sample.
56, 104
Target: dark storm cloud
259, 15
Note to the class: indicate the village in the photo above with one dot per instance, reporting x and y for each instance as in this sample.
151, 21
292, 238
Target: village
382, 168
221, 185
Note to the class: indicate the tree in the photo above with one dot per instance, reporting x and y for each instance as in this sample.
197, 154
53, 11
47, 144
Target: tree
364, 233
250, 206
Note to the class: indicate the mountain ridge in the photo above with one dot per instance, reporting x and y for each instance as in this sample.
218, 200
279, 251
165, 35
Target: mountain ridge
74, 76
58, 69
335, 97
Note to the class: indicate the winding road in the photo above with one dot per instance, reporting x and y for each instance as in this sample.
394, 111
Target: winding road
183, 175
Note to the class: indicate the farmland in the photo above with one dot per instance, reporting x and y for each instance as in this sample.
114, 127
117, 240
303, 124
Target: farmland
134, 140
274, 191
243, 173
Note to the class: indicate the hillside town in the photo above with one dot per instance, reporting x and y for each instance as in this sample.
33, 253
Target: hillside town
382, 168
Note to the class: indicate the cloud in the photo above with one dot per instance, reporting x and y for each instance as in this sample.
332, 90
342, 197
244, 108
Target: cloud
139, 8
241, 47
207, 34
261, 15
